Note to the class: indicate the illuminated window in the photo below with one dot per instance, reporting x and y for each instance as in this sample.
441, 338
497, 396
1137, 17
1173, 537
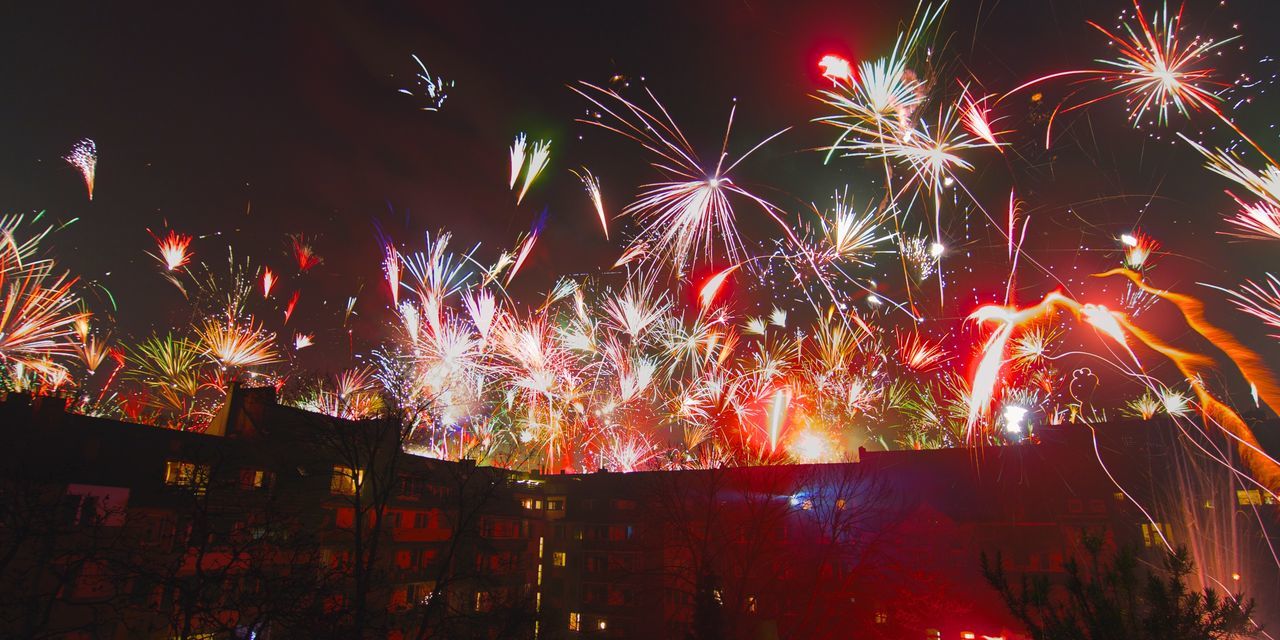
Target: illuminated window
575, 621
254, 479
932, 634
840, 504
484, 601
751, 604
967, 635
527, 503
881, 617
1250, 497
186, 474
558, 558
555, 504
1153, 535
602, 624
1119, 496
345, 480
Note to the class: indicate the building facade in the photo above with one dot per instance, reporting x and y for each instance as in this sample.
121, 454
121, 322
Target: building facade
277, 523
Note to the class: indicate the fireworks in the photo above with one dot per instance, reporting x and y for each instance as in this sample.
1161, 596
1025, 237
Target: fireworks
433, 91
173, 250
303, 254
84, 157
685, 217
532, 162
237, 344
1157, 70
1260, 300
720, 335
268, 281
920, 355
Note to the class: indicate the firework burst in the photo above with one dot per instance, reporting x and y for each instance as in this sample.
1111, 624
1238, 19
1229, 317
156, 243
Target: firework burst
688, 216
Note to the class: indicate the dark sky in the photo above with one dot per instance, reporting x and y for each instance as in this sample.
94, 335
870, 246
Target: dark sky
255, 120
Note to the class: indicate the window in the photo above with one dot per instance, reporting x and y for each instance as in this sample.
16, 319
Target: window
1250, 497
1075, 505
421, 519
751, 604
555, 504
345, 480
394, 519
881, 617
186, 474
408, 486
602, 624
255, 479
499, 528
932, 634
1153, 535
967, 635
484, 601
575, 621
559, 558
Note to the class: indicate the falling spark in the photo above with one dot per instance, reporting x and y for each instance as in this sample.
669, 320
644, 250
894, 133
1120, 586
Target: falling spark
84, 157
433, 90
517, 159
268, 281
527, 246
288, 308
391, 266
539, 156
707, 294
303, 254
592, 184
303, 340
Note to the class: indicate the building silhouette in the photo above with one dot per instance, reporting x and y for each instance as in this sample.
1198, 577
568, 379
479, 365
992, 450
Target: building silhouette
278, 523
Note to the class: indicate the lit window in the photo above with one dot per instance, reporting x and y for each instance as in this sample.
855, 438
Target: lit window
254, 479
840, 504
1153, 535
881, 617
602, 624
967, 635
1250, 497
556, 504
575, 621
345, 480
932, 634
527, 503
186, 474
558, 558
484, 601
751, 604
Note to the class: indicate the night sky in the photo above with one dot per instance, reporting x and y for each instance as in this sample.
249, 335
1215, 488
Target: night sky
245, 122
